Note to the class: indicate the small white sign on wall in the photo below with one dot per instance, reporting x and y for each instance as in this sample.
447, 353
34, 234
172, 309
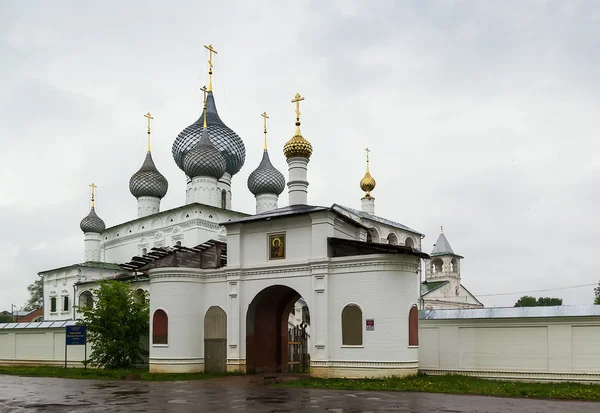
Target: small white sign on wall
370, 325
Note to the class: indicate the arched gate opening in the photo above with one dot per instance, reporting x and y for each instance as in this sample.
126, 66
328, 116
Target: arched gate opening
267, 348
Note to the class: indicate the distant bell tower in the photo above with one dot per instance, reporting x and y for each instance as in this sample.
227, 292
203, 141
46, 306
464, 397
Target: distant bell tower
444, 264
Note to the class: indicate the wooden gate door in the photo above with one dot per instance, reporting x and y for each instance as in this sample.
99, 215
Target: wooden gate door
215, 340
298, 349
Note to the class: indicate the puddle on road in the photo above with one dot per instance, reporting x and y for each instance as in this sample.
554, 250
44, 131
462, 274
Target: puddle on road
130, 392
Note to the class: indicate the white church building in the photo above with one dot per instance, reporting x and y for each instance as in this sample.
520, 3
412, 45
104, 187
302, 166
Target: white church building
222, 284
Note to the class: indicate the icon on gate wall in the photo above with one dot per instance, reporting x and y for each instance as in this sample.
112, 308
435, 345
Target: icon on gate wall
276, 246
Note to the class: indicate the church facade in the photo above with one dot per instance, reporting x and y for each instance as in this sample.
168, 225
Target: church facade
222, 284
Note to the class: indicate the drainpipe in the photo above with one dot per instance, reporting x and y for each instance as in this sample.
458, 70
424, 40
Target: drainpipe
73, 303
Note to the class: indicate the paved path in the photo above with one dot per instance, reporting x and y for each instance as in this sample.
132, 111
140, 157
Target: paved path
29, 395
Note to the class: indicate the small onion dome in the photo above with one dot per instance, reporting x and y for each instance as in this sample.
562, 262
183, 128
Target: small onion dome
92, 223
367, 184
266, 179
297, 146
148, 181
204, 159
223, 138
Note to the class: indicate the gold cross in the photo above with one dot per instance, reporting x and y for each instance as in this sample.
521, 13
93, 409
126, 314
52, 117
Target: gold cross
265, 117
367, 150
210, 64
297, 99
149, 117
204, 89
93, 186
442, 229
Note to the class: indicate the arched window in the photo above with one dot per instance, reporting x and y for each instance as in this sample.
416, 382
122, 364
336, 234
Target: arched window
140, 295
352, 326
86, 300
436, 265
160, 328
413, 326
373, 235
223, 199
453, 265
409, 242
178, 243
38, 319
144, 251
392, 239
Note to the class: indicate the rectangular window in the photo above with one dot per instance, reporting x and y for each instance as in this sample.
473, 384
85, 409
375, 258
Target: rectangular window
66, 303
53, 305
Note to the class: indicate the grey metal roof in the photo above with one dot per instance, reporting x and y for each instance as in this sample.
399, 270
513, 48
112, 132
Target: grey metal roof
512, 312
92, 223
266, 179
292, 210
278, 213
442, 246
224, 139
366, 215
89, 264
43, 324
204, 159
148, 181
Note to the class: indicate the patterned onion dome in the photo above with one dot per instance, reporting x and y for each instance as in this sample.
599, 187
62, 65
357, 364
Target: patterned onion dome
367, 184
148, 181
297, 146
204, 159
92, 223
266, 179
223, 138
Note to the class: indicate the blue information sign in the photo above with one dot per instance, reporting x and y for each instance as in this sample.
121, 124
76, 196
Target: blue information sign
75, 335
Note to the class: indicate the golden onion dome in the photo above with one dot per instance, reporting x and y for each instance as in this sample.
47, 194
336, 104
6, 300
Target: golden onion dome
367, 184
298, 146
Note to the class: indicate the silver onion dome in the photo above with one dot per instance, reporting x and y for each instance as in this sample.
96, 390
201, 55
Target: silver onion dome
223, 138
266, 179
204, 159
92, 223
148, 181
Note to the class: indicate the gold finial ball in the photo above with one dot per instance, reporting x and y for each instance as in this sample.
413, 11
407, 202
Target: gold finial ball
367, 184
297, 147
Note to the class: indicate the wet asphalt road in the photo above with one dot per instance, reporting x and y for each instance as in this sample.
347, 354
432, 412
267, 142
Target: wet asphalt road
29, 395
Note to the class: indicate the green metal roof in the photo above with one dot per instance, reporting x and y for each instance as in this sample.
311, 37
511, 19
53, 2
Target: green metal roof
429, 286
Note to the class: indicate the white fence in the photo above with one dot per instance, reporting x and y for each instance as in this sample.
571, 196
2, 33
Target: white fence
38, 344
536, 343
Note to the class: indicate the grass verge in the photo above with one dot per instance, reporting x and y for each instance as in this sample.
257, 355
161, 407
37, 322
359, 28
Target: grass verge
456, 384
104, 374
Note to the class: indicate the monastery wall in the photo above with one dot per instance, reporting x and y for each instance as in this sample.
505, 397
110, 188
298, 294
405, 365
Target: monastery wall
527, 348
39, 346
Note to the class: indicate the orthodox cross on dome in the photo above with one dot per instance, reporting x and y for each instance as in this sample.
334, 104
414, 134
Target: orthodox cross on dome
211, 50
93, 186
265, 117
149, 117
297, 99
367, 150
204, 89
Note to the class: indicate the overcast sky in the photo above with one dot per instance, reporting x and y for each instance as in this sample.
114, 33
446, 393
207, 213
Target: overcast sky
481, 116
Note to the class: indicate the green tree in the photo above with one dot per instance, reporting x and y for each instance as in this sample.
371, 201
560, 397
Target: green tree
529, 301
547, 301
36, 295
526, 301
115, 325
597, 294
6, 319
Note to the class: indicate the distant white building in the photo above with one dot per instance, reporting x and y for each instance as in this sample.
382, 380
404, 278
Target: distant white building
225, 286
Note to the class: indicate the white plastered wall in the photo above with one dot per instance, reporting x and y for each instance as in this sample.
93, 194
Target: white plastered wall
548, 348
